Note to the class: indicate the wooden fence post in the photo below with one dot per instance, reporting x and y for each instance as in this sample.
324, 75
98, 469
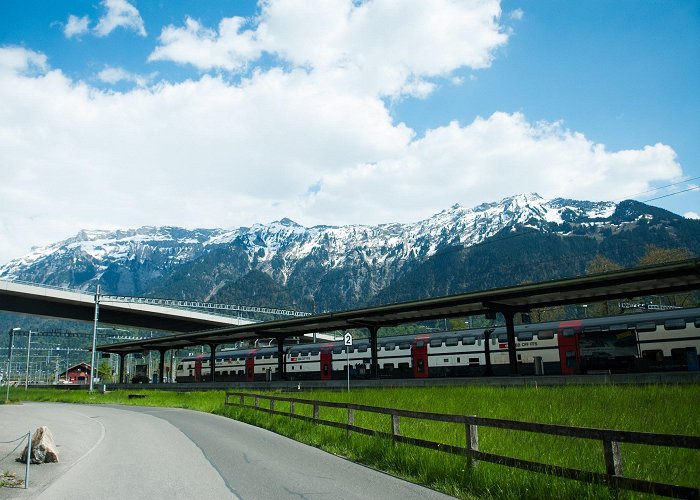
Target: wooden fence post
315, 411
291, 408
395, 426
613, 458
472, 443
242, 400
272, 405
257, 401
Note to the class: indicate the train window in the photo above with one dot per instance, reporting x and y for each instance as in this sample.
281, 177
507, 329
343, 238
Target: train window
351, 349
679, 355
656, 355
468, 340
314, 352
435, 342
451, 342
649, 326
591, 329
545, 334
304, 353
568, 332
403, 366
458, 360
617, 328
241, 372
362, 348
337, 349
473, 361
674, 324
404, 346
525, 336
259, 356
697, 322
390, 346
276, 355
420, 343
502, 337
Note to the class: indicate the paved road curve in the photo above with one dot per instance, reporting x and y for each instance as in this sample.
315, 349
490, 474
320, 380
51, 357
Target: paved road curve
134, 452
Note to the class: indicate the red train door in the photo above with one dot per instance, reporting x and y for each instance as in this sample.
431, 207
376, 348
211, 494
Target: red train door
326, 363
198, 370
420, 357
250, 367
567, 339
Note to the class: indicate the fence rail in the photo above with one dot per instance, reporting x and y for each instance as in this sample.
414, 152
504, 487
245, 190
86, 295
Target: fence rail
611, 439
20, 440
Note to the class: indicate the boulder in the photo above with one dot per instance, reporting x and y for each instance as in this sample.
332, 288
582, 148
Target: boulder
43, 448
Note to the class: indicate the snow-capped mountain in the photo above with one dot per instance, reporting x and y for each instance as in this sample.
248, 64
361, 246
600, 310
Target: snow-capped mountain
356, 260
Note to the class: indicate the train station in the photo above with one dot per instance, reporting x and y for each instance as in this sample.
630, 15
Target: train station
628, 284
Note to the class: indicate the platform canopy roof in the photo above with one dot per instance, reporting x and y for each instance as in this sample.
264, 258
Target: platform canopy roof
653, 280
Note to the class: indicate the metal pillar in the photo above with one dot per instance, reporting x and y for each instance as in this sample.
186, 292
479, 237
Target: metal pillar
161, 366
212, 361
508, 314
374, 370
281, 372
488, 371
122, 358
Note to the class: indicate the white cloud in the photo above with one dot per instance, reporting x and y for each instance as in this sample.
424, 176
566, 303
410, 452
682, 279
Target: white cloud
209, 153
114, 75
205, 48
691, 215
516, 15
120, 14
379, 47
76, 26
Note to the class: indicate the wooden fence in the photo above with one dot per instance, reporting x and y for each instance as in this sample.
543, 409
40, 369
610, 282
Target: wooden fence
611, 439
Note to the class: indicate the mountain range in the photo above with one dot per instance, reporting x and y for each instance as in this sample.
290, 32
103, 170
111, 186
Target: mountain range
324, 268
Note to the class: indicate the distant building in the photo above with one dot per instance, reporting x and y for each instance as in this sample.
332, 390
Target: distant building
76, 374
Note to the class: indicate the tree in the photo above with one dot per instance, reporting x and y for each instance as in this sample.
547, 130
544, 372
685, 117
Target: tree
600, 264
104, 371
657, 255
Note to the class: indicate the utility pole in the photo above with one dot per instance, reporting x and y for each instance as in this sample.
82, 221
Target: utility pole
29, 346
94, 337
9, 361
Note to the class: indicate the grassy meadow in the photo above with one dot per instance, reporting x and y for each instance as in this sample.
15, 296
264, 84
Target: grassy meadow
655, 408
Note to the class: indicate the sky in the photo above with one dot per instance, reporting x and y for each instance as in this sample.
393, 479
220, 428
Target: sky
118, 114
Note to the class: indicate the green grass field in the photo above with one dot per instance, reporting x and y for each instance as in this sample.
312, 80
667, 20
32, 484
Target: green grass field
665, 409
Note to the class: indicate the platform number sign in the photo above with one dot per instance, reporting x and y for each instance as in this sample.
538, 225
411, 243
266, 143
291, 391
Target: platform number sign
347, 338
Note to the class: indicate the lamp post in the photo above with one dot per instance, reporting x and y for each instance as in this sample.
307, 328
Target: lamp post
9, 361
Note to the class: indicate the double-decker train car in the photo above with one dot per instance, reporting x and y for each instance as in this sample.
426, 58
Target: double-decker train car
652, 341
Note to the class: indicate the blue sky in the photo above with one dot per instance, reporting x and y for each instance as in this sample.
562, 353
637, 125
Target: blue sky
124, 113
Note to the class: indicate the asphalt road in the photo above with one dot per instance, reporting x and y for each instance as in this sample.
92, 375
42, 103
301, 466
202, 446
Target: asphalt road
124, 452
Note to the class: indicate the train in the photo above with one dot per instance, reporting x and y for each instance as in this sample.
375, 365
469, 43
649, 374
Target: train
636, 342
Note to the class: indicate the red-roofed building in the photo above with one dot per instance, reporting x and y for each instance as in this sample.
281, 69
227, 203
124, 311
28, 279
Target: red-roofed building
76, 374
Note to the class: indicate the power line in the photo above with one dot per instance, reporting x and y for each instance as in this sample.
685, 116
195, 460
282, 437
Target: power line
694, 188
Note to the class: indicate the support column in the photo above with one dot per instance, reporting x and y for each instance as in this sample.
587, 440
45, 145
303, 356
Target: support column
122, 357
488, 371
161, 367
509, 314
374, 370
281, 367
212, 361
